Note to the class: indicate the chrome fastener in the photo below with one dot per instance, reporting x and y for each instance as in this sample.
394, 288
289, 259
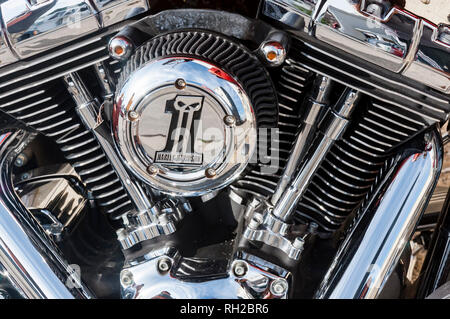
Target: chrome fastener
126, 278
133, 116
229, 120
180, 84
279, 287
164, 265
210, 172
120, 48
152, 170
274, 53
240, 268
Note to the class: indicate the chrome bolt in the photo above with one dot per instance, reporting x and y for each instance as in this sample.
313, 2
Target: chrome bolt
240, 269
126, 278
152, 170
279, 287
180, 84
298, 243
164, 265
133, 116
210, 172
120, 48
255, 222
273, 52
229, 120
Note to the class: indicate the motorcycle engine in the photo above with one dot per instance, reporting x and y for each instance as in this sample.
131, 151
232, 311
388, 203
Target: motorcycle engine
206, 154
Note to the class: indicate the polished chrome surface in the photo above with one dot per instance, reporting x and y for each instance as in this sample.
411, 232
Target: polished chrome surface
337, 124
161, 275
297, 14
386, 41
267, 229
147, 221
29, 29
315, 107
272, 227
88, 110
55, 196
120, 48
31, 260
392, 38
114, 11
173, 116
273, 52
430, 63
372, 249
144, 225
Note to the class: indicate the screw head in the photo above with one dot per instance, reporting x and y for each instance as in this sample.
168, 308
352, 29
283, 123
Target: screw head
229, 120
180, 84
133, 116
126, 278
164, 265
152, 170
279, 287
240, 268
210, 172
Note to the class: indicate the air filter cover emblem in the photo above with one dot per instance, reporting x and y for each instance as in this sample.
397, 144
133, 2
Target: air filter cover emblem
189, 117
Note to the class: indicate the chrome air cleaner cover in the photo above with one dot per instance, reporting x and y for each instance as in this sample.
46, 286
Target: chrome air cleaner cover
184, 126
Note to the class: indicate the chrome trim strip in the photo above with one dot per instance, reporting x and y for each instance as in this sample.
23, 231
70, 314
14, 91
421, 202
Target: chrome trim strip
372, 249
32, 262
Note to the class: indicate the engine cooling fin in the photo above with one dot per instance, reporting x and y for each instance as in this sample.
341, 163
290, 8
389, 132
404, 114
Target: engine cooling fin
353, 168
221, 51
356, 164
35, 95
291, 83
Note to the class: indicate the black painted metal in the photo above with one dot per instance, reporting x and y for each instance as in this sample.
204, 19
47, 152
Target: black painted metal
437, 264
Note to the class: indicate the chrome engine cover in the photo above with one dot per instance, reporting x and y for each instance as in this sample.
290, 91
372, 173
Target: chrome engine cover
184, 126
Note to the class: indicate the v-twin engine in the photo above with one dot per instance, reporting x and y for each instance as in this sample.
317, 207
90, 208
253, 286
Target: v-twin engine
198, 153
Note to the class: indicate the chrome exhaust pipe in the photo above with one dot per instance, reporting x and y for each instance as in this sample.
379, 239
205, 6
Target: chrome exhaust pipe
373, 248
33, 264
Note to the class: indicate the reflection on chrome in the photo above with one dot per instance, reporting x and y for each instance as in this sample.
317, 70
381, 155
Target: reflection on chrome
372, 249
30, 28
26, 253
392, 38
219, 133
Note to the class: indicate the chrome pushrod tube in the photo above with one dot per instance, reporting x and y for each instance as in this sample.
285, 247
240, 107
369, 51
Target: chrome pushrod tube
32, 263
333, 127
86, 108
316, 105
373, 248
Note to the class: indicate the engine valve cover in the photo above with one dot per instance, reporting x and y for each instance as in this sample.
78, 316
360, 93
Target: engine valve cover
184, 126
